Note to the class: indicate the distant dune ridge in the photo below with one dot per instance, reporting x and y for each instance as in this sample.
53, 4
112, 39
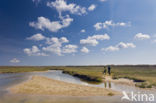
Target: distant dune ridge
44, 86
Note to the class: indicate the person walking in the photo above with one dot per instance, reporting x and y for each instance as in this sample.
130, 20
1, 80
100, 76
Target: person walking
104, 72
109, 70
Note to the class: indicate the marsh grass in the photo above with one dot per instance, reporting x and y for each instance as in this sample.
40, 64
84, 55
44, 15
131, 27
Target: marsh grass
143, 74
138, 73
87, 74
19, 69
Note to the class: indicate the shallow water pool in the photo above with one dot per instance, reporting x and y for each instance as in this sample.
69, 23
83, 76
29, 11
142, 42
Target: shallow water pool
10, 79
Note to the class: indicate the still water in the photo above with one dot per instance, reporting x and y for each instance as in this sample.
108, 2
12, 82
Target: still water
7, 80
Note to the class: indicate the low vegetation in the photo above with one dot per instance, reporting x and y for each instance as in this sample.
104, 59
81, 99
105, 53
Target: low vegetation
86, 74
143, 85
144, 75
19, 69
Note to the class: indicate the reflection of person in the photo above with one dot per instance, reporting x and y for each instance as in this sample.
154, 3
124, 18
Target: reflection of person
109, 70
109, 84
105, 84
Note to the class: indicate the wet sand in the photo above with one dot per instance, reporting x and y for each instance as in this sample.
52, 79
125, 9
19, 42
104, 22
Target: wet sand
24, 98
120, 81
39, 85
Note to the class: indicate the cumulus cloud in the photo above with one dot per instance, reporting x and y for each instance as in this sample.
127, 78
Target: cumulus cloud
15, 60
57, 41
52, 40
92, 7
141, 36
110, 48
62, 6
36, 37
100, 37
55, 45
119, 46
83, 31
85, 50
64, 40
98, 26
53, 49
53, 26
126, 45
107, 24
93, 40
70, 48
34, 51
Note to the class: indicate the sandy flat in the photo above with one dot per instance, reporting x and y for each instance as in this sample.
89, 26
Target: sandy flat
120, 80
45, 86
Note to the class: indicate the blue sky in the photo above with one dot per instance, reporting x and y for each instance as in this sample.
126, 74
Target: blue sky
77, 32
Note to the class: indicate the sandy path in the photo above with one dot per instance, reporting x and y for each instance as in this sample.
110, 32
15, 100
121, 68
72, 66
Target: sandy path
45, 86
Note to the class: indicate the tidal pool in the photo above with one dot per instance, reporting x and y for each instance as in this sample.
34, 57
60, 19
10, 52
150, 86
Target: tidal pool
10, 79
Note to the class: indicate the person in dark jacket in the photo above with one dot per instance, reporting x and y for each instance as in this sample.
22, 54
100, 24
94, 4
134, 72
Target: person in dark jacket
109, 70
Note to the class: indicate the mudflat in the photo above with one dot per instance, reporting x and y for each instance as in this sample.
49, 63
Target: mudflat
40, 85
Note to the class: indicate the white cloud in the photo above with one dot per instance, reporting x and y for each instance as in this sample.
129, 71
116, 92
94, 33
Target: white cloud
55, 45
41, 54
37, 37
53, 49
100, 37
85, 50
15, 60
53, 26
126, 45
98, 26
93, 40
57, 41
107, 24
110, 48
64, 40
83, 31
52, 40
141, 36
70, 48
91, 7
119, 46
62, 6
34, 51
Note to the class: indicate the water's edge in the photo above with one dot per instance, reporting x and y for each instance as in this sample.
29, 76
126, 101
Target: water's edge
8, 80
